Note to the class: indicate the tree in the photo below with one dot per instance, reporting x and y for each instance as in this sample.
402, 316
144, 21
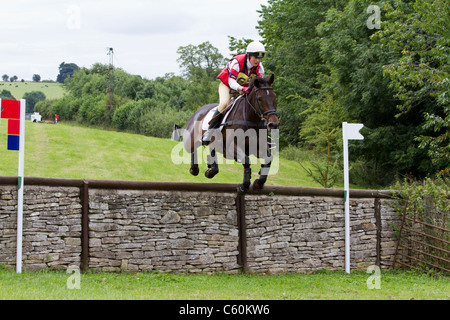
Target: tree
194, 59
237, 46
32, 98
6, 94
322, 130
355, 79
36, 78
66, 70
288, 28
13, 78
393, 79
420, 77
5, 77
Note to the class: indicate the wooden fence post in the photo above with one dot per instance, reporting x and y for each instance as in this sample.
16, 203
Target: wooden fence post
84, 263
242, 227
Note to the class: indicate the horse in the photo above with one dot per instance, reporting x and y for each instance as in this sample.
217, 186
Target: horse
251, 117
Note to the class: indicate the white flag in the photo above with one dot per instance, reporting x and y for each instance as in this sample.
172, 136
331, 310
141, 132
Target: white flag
351, 131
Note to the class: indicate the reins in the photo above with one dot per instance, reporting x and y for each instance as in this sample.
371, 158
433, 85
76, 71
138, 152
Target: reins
258, 112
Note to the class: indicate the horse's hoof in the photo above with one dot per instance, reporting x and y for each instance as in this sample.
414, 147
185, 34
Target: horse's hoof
241, 189
210, 173
194, 171
257, 185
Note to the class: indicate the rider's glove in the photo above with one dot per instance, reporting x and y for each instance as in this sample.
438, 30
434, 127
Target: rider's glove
245, 90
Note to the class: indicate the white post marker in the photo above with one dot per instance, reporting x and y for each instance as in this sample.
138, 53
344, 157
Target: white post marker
20, 187
350, 131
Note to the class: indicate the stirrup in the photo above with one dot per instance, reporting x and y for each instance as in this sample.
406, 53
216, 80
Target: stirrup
206, 138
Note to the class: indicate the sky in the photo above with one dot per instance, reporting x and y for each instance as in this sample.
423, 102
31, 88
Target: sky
37, 35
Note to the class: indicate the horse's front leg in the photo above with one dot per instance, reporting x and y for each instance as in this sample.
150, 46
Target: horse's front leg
258, 184
245, 186
233, 148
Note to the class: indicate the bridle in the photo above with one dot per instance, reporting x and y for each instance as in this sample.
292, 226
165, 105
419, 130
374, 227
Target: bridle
259, 112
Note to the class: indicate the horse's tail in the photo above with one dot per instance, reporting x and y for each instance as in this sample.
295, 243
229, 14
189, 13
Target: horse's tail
176, 133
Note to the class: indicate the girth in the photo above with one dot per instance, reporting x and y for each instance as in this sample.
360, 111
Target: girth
257, 125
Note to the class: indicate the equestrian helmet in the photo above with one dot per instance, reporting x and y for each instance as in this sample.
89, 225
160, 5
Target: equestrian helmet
256, 49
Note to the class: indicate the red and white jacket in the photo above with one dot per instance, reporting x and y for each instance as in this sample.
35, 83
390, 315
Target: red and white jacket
239, 64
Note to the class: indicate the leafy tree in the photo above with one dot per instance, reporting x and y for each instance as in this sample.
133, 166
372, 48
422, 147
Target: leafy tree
293, 55
6, 94
201, 65
322, 130
420, 77
66, 70
87, 100
356, 81
36, 78
393, 79
32, 98
5, 77
237, 46
47, 111
195, 60
201, 92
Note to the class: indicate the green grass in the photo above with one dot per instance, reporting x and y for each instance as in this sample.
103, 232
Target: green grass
18, 89
68, 150
324, 285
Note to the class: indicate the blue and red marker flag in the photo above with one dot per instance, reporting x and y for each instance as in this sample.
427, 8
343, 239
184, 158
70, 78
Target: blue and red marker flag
10, 109
14, 111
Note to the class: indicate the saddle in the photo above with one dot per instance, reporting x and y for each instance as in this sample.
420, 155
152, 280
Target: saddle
230, 105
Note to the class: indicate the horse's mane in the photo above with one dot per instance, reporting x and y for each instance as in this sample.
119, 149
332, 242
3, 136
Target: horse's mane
262, 82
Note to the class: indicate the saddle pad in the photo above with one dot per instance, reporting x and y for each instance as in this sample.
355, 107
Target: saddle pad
207, 118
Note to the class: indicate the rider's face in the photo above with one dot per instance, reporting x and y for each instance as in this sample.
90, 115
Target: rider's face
254, 60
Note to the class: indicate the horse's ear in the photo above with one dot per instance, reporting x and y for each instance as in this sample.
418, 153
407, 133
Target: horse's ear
271, 79
256, 83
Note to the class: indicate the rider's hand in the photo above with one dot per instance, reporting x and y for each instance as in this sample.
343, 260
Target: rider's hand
245, 90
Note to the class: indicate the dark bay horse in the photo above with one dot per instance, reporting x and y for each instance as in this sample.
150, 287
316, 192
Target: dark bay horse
244, 133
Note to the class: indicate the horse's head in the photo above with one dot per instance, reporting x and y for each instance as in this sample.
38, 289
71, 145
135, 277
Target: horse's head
263, 97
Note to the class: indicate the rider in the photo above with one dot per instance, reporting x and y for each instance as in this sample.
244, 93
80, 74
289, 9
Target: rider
239, 70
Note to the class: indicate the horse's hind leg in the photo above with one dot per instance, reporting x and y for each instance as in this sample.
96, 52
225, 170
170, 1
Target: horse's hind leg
194, 163
213, 167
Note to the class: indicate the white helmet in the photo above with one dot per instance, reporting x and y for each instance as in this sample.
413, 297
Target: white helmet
256, 49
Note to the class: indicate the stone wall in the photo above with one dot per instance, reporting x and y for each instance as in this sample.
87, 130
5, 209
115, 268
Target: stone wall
162, 230
188, 231
301, 234
51, 227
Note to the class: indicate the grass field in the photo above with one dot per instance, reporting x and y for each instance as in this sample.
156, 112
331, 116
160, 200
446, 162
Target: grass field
323, 285
18, 89
68, 150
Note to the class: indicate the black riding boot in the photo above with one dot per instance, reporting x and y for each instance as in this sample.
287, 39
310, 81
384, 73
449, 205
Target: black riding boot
217, 119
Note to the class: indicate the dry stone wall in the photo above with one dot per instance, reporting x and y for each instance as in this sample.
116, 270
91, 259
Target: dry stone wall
51, 227
187, 231
162, 230
300, 234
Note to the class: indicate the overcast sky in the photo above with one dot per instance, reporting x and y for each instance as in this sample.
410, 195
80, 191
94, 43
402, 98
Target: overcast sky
37, 35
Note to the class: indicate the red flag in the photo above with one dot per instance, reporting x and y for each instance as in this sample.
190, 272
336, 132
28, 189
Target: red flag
10, 109
13, 126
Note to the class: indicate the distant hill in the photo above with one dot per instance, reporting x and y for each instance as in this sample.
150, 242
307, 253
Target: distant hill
18, 89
